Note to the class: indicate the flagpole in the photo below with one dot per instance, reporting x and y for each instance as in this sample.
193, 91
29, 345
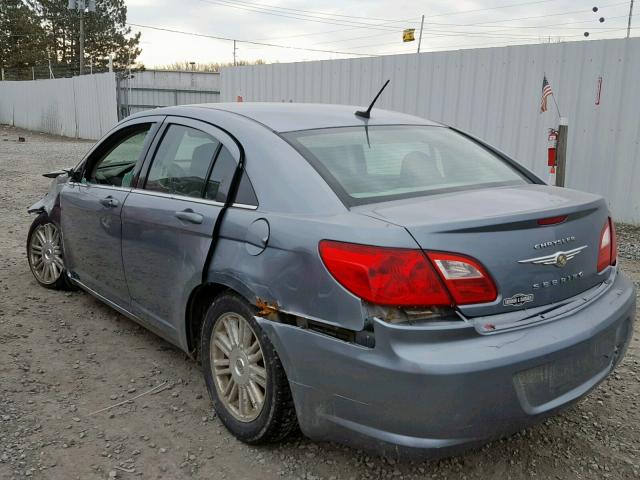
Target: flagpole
553, 95
556, 103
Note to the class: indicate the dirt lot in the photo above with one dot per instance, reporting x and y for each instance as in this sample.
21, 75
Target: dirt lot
66, 355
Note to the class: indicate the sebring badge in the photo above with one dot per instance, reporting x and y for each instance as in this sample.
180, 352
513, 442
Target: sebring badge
559, 259
518, 300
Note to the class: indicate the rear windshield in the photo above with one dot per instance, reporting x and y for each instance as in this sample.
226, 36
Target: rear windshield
399, 161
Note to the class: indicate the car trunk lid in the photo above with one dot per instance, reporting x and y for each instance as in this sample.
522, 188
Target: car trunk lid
500, 228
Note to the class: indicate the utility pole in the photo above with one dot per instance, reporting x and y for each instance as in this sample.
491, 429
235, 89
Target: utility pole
420, 38
81, 37
234, 53
630, 18
563, 137
80, 6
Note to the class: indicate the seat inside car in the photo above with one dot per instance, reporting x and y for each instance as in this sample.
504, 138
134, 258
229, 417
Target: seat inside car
200, 160
420, 169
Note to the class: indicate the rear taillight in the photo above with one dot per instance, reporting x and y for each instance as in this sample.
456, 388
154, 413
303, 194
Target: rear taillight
614, 243
385, 276
406, 277
608, 249
467, 280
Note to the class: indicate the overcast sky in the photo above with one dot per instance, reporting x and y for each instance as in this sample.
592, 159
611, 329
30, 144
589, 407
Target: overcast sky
364, 27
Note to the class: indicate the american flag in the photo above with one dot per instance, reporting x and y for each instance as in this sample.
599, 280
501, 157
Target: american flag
546, 92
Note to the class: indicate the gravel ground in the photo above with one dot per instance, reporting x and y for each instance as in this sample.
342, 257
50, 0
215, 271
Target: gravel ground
66, 355
628, 241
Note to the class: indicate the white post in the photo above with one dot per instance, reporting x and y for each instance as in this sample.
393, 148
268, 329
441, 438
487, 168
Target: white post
420, 38
110, 63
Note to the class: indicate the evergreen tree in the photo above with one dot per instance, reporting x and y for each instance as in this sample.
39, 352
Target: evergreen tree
106, 33
22, 37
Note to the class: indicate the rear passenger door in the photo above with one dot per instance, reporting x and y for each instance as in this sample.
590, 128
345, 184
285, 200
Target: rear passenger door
168, 219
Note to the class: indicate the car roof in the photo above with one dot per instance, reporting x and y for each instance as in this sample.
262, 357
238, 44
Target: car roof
285, 117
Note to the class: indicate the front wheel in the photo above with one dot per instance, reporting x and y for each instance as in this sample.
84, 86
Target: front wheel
44, 251
244, 376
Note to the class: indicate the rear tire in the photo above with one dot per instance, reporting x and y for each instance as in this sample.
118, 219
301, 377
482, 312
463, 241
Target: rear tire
244, 376
45, 254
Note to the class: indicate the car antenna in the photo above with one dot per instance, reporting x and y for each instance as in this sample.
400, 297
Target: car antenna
367, 113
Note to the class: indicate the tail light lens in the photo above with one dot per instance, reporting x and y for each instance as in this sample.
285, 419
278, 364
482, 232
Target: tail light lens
465, 278
614, 243
385, 276
406, 277
608, 250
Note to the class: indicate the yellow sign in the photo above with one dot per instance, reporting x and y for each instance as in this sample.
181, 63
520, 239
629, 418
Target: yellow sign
408, 35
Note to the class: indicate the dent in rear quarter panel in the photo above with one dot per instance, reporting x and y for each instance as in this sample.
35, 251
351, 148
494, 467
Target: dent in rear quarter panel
289, 272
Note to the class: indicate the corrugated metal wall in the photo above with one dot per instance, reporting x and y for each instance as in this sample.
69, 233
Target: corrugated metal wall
81, 107
495, 94
154, 88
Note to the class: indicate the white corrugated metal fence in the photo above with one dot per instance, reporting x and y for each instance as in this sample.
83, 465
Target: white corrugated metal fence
156, 88
81, 107
495, 94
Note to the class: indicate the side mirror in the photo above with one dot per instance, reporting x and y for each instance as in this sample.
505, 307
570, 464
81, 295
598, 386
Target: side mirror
73, 174
57, 173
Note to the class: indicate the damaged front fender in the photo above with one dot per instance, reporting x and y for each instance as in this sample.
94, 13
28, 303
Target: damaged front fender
49, 201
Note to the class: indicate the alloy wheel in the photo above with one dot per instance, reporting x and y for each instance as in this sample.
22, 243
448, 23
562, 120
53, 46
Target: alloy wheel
45, 253
239, 371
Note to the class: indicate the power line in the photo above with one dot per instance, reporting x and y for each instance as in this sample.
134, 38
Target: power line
320, 17
394, 31
182, 32
446, 14
557, 14
326, 32
485, 45
317, 13
303, 17
314, 12
502, 27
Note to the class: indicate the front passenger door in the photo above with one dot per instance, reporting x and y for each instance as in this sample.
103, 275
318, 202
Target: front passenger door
91, 208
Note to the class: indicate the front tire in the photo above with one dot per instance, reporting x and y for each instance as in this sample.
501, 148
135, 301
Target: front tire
244, 376
45, 255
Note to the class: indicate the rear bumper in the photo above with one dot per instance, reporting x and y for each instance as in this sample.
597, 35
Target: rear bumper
431, 391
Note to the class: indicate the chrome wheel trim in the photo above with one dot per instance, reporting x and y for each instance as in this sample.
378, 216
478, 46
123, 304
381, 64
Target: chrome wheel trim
45, 253
238, 367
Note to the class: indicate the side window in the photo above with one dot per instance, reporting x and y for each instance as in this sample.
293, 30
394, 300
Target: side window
115, 167
181, 164
220, 180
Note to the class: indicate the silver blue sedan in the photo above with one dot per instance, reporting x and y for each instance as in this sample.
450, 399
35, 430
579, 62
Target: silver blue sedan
387, 282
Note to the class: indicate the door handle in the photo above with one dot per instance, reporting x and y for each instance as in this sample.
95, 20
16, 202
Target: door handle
190, 216
109, 202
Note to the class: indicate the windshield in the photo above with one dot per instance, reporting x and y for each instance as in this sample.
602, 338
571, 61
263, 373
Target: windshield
398, 161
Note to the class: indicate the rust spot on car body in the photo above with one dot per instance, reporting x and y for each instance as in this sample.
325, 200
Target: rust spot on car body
267, 309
